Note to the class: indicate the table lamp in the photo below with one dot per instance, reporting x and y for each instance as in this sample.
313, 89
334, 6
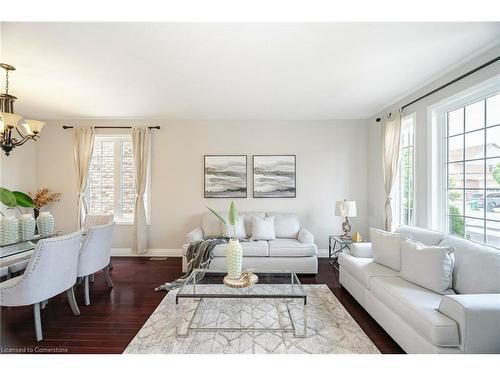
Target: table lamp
345, 209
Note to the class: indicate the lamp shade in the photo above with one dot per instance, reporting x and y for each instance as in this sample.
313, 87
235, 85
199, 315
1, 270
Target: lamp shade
10, 119
345, 208
34, 126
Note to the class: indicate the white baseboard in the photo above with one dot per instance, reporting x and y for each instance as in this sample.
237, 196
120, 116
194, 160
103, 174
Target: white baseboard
322, 253
127, 252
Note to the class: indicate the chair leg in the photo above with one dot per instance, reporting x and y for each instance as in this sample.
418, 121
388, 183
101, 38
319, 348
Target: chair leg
72, 301
38, 322
86, 289
92, 278
78, 281
108, 276
43, 304
110, 265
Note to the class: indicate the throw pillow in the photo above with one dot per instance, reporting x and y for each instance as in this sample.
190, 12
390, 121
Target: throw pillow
228, 229
386, 248
428, 266
263, 228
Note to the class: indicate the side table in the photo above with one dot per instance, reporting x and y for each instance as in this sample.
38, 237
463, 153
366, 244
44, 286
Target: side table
336, 246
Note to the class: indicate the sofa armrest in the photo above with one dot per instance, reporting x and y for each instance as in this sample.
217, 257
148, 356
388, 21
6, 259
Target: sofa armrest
478, 319
305, 236
194, 235
361, 250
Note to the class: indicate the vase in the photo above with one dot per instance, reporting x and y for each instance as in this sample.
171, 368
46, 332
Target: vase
9, 231
45, 224
26, 227
234, 259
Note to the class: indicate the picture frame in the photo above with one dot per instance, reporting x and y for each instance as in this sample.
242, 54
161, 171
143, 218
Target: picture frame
274, 176
225, 176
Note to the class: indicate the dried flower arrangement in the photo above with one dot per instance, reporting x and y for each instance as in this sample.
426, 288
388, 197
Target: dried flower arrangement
44, 197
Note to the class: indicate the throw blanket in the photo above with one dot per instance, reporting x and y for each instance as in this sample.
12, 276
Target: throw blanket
198, 255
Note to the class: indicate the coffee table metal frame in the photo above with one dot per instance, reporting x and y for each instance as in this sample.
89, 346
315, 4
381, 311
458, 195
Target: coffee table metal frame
189, 290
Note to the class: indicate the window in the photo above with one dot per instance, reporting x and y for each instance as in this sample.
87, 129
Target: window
473, 170
405, 192
111, 184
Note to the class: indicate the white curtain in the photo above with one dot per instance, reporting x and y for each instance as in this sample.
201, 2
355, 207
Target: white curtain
141, 144
391, 135
83, 145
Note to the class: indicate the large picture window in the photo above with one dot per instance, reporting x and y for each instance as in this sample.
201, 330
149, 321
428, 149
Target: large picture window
473, 171
111, 185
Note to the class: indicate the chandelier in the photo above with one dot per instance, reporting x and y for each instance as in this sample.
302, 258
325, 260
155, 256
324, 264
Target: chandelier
14, 131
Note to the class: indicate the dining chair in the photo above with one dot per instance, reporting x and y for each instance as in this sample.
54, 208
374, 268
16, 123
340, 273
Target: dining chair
4, 271
95, 220
51, 270
16, 268
95, 255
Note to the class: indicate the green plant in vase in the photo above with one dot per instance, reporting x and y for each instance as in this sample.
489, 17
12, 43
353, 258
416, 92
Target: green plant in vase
234, 251
13, 229
15, 199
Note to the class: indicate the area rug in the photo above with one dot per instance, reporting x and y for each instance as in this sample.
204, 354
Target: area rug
330, 328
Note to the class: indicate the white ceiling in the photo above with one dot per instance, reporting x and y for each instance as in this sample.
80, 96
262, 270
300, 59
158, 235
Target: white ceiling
228, 71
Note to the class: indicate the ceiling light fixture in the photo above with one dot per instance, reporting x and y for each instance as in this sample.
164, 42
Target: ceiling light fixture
9, 121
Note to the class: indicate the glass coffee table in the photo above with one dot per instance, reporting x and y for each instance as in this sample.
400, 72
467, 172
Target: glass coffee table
277, 303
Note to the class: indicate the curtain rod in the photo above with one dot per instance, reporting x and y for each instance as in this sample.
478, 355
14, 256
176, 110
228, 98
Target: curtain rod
449, 83
112, 127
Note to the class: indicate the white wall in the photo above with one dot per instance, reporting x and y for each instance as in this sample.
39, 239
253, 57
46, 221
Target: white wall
422, 144
18, 170
331, 165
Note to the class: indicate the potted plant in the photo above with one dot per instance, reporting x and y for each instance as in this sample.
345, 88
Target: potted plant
234, 252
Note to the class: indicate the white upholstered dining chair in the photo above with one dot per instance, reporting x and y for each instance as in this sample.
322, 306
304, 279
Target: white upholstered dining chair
51, 270
95, 255
96, 220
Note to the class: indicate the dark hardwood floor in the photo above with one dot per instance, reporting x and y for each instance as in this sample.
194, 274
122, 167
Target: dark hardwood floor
115, 316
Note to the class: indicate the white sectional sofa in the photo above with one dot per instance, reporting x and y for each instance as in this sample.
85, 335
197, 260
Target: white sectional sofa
421, 321
293, 249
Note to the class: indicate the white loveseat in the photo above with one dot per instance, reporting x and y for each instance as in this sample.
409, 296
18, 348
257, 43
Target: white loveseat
420, 320
293, 249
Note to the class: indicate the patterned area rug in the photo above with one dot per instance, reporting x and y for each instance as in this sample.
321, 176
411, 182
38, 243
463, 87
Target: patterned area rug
330, 328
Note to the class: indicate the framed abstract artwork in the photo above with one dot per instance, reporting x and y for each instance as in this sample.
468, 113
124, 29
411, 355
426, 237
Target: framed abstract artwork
274, 176
225, 176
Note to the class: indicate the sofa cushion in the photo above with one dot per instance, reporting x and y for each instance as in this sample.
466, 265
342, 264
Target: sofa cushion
424, 236
284, 247
228, 229
250, 249
477, 266
386, 247
263, 228
418, 307
248, 220
430, 267
286, 225
212, 227
363, 269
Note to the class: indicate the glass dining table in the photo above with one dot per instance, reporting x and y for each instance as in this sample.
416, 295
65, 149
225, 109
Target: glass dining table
21, 249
